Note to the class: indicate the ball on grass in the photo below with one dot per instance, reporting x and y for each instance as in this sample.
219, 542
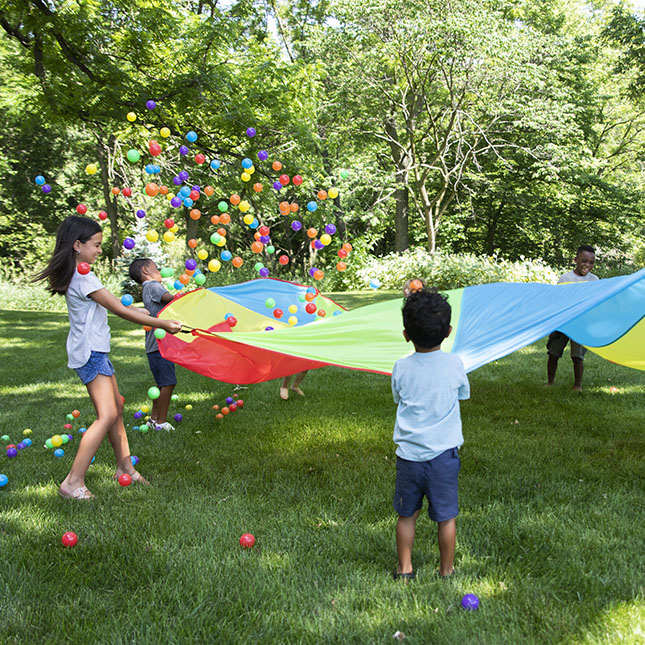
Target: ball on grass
247, 540
125, 479
69, 539
470, 602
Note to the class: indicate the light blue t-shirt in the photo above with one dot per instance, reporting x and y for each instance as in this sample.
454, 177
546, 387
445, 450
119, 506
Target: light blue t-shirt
427, 387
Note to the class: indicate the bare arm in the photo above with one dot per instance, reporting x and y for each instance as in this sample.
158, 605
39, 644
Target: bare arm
167, 297
113, 304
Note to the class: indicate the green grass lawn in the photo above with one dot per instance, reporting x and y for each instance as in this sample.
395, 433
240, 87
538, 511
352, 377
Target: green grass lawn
550, 535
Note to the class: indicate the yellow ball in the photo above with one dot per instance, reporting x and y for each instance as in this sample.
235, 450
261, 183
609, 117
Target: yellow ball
202, 254
164, 132
152, 236
248, 218
222, 242
325, 239
293, 309
332, 193
214, 266
245, 176
91, 169
57, 440
293, 320
145, 409
169, 196
169, 236
189, 407
251, 170
131, 116
175, 228
26, 432
244, 206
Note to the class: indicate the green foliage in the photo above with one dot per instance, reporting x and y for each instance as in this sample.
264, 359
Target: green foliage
443, 271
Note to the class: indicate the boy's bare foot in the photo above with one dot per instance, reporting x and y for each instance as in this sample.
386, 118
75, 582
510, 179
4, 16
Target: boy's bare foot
297, 390
577, 388
551, 384
447, 574
284, 393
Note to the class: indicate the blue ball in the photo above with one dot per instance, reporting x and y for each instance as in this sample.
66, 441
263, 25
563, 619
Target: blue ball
150, 169
337, 313
27, 442
82, 430
40, 180
127, 300
268, 328
215, 164
226, 256
246, 163
188, 202
191, 136
185, 191
254, 224
470, 602
141, 213
312, 206
4, 480
58, 453
134, 459
178, 285
227, 316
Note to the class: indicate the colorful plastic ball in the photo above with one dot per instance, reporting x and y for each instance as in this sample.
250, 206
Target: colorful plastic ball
226, 256
125, 480
277, 185
189, 407
318, 245
69, 539
297, 180
83, 268
27, 441
319, 275
330, 229
200, 158
46, 188
284, 179
215, 164
341, 266
129, 243
191, 265
470, 602
312, 206
82, 430
103, 215
333, 192
263, 155
293, 320
57, 441
264, 272
67, 426
127, 300
133, 155
134, 459
310, 308
159, 333
153, 393
48, 444
40, 180
214, 266
375, 283
247, 163
191, 136
12, 452
26, 432
296, 225
150, 104
183, 150
21, 446
179, 417
200, 279
4, 480
143, 429
164, 132
232, 321
344, 174
250, 132
91, 169
278, 313
342, 253
270, 249
59, 453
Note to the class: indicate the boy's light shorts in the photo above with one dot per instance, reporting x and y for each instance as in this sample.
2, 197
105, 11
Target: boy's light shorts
558, 341
436, 479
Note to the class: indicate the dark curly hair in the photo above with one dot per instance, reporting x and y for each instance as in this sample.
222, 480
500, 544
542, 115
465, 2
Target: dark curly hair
426, 317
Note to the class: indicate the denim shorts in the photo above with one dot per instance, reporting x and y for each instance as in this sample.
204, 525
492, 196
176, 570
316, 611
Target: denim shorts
436, 479
558, 341
162, 369
98, 363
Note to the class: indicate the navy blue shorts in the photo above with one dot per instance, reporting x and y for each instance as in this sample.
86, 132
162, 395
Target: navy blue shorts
98, 363
437, 479
162, 369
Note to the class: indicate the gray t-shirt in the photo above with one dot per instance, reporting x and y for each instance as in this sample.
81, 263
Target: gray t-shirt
151, 293
574, 277
88, 326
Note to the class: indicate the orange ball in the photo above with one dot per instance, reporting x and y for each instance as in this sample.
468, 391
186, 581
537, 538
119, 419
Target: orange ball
147, 328
216, 407
195, 213
222, 231
235, 199
225, 218
215, 219
322, 194
256, 235
294, 207
257, 187
285, 209
341, 266
257, 247
184, 279
318, 275
219, 415
76, 413
192, 243
309, 297
347, 246
116, 190
237, 261
163, 190
225, 410
312, 232
152, 189
208, 190
276, 165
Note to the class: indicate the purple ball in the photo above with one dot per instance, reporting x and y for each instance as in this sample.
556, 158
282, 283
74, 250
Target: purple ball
150, 104
264, 272
318, 245
138, 414
183, 175
330, 229
191, 265
470, 602
276, 184
46, 188
12, 452
141, 213
265, 239
134, 459
21, 446
312, 271
178, 417
229, 400
183, 150
129, 243
175, 202
263, 155
296, 225
176, 180
69, 437
250, 132
197, 188
269, 328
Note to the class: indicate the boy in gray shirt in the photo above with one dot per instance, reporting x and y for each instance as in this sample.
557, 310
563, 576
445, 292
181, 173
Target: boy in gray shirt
155, 297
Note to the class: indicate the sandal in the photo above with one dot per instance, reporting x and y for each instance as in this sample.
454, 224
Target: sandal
80, 493
397, 575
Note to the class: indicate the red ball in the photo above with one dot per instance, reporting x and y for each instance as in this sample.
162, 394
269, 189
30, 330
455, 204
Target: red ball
194, 195
342, 253
169, 223
199, 158
297, 180
68, 426
310, 308
125, 479
81, 209
278, 313
102, 215
83, 268
154, 148
127, 192
240, 403
263, 230
247, 540
284, 179
232, 321
69, 539
283, 260
232, 407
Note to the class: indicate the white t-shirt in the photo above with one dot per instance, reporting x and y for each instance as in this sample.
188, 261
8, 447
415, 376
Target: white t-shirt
88, 326
574, 277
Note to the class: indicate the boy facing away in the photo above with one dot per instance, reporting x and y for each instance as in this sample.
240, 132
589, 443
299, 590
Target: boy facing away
585, 260
427, 386
155, 297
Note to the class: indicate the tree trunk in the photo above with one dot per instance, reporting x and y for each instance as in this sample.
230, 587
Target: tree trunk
109, 199
401, 160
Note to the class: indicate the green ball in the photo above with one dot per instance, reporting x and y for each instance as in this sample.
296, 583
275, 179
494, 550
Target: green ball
159, 333
200, 278
153, 393
174, 397
70, 418
49, 444
301, 297
270, 249
344, 174
5, 438
143, 429
133, 155
64, 438
258, 266
166, 272
269, 303
215, 238
223, 206
170, 284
